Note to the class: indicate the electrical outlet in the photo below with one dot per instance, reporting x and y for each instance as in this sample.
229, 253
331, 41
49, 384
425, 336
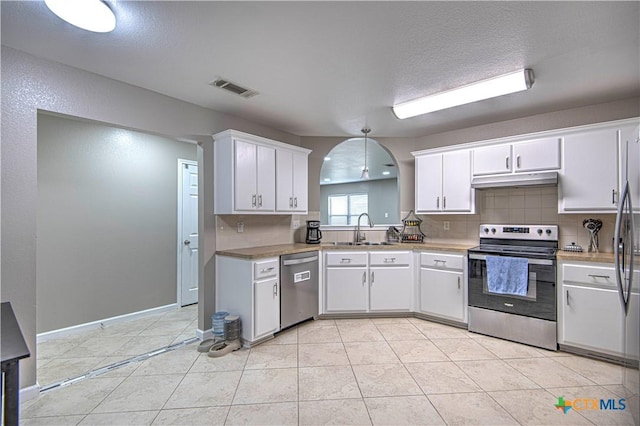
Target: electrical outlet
240, 227
447, 225
295, 224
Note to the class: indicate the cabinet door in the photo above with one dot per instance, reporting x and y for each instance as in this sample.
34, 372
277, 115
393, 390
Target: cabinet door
245, 175
456, 181
390, 288
266, 178
346, 289
300, 181
629, 160
428, 183
539, 154
491, 160
592, 318
266, 307
442, 294
284, 180
590, 178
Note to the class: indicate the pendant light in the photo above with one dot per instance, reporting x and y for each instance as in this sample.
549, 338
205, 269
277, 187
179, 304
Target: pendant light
365, 171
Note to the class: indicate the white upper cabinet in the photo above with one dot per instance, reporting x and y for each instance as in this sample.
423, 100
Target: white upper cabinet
490, 160
254, 174
443, 182
258, 175
291, 181
589, 180
527, 156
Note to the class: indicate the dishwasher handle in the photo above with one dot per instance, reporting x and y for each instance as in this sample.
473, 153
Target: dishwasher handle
299, 261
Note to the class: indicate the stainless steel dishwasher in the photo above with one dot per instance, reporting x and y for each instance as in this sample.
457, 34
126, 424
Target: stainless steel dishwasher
298, 288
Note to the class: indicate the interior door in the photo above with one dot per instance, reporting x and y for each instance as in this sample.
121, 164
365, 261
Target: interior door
189, 236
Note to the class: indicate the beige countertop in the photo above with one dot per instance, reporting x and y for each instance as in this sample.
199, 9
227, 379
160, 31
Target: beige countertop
585, 256
282, 249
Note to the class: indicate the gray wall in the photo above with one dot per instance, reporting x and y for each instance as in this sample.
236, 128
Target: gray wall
107, 219
30, 84
383, 197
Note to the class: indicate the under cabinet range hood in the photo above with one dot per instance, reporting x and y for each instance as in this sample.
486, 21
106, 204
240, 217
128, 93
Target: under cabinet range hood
516, 179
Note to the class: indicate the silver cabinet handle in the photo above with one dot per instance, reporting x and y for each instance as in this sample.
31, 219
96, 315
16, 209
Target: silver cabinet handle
506, 160
268, 269
389, 260
373, 277
437, 202
518, 161
275, 290
458, 283
567, 297
290, 201
606, 277
444, 202
439, 261
364, 277
345, 260
259, 200
613, 196
187, 242
253, 200
295, 201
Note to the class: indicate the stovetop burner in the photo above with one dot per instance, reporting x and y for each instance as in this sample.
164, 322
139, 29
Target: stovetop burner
538, 241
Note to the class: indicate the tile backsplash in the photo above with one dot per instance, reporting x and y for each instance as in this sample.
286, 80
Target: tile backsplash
535, 205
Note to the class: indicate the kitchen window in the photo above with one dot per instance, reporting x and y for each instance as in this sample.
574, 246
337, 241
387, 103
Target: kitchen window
344, 209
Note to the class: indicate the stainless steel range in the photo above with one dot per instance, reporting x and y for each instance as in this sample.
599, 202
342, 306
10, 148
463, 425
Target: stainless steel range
512, 283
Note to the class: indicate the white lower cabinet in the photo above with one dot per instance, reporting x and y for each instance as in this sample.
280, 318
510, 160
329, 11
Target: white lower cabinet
590, 314
443, 288
250, 289
346, 289
592, 318
360, 281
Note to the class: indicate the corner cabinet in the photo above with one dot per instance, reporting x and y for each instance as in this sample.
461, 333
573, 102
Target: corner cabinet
250, 289
361, 281
443, 286
443, 182
255, 175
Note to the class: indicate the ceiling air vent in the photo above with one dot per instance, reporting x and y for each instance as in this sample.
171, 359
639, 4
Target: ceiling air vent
229, 86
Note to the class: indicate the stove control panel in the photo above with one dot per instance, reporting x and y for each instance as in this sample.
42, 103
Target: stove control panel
520, 232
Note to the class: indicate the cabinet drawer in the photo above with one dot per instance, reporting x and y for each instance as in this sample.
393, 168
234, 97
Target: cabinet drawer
265, 268
442, 261
390, 258
346, 258
597, 275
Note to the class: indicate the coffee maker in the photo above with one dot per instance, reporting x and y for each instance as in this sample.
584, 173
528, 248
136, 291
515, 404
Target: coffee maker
314, 235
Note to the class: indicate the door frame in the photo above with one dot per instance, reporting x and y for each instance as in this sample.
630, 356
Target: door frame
181, 164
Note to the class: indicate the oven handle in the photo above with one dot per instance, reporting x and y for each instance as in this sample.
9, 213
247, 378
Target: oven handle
531, 261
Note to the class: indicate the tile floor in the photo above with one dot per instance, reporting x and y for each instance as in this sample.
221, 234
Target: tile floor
367, 371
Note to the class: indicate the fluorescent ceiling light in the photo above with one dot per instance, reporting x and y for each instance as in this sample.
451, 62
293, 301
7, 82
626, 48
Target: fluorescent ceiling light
90, 15
485, 89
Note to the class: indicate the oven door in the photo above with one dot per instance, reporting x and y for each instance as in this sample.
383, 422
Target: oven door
540, 301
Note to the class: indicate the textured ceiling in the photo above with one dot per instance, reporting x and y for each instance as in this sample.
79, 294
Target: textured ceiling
329, 68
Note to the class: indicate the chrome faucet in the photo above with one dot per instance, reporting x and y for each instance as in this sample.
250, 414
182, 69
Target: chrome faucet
358, 236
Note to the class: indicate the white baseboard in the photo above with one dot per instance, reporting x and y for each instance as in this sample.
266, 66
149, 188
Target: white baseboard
43, 337
30, 392
204, 335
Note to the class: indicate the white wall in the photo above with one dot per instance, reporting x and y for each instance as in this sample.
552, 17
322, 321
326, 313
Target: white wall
30, 84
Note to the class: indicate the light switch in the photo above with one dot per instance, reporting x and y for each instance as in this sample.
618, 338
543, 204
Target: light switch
240, 226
